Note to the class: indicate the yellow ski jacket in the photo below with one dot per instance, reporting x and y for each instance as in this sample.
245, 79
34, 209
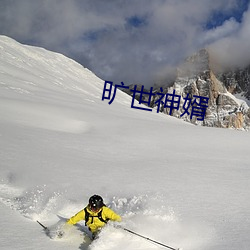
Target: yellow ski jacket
94, 223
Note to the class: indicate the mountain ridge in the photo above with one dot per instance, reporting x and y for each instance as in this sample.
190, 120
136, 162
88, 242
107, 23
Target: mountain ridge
197, 75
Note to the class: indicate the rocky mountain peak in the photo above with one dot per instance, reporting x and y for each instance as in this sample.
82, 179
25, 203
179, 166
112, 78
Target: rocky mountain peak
197, 76
197, 64
237, 81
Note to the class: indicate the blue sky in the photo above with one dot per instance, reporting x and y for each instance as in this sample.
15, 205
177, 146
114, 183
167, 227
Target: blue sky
218, 17
134, 41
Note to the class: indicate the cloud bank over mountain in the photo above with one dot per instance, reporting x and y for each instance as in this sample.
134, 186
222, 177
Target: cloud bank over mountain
131, 41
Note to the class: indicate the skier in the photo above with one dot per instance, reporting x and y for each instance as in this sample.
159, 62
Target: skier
95, 214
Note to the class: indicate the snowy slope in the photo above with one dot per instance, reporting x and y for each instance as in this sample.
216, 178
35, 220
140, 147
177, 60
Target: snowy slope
182, 185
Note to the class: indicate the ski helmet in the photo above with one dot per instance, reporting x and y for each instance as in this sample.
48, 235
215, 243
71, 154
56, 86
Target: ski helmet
95, 202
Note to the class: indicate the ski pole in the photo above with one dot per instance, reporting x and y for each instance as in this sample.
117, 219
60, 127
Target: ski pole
146, 238
45, 228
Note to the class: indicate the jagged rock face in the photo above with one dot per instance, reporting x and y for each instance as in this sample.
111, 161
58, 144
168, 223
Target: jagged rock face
224, 110
237, 81
196, 77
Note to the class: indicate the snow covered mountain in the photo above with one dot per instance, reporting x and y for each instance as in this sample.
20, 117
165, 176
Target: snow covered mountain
182, 185
228, 93
237, 81
196, 76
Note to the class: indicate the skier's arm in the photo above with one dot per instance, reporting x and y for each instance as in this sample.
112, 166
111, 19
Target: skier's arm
110, 214
77, 217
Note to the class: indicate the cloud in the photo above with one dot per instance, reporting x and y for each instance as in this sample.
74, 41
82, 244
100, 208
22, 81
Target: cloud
132, 41
228, 28
233, 49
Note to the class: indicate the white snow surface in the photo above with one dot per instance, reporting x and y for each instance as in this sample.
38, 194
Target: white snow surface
182, 185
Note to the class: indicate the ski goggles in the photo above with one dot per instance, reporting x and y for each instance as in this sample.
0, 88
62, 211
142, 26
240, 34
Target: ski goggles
94, 208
